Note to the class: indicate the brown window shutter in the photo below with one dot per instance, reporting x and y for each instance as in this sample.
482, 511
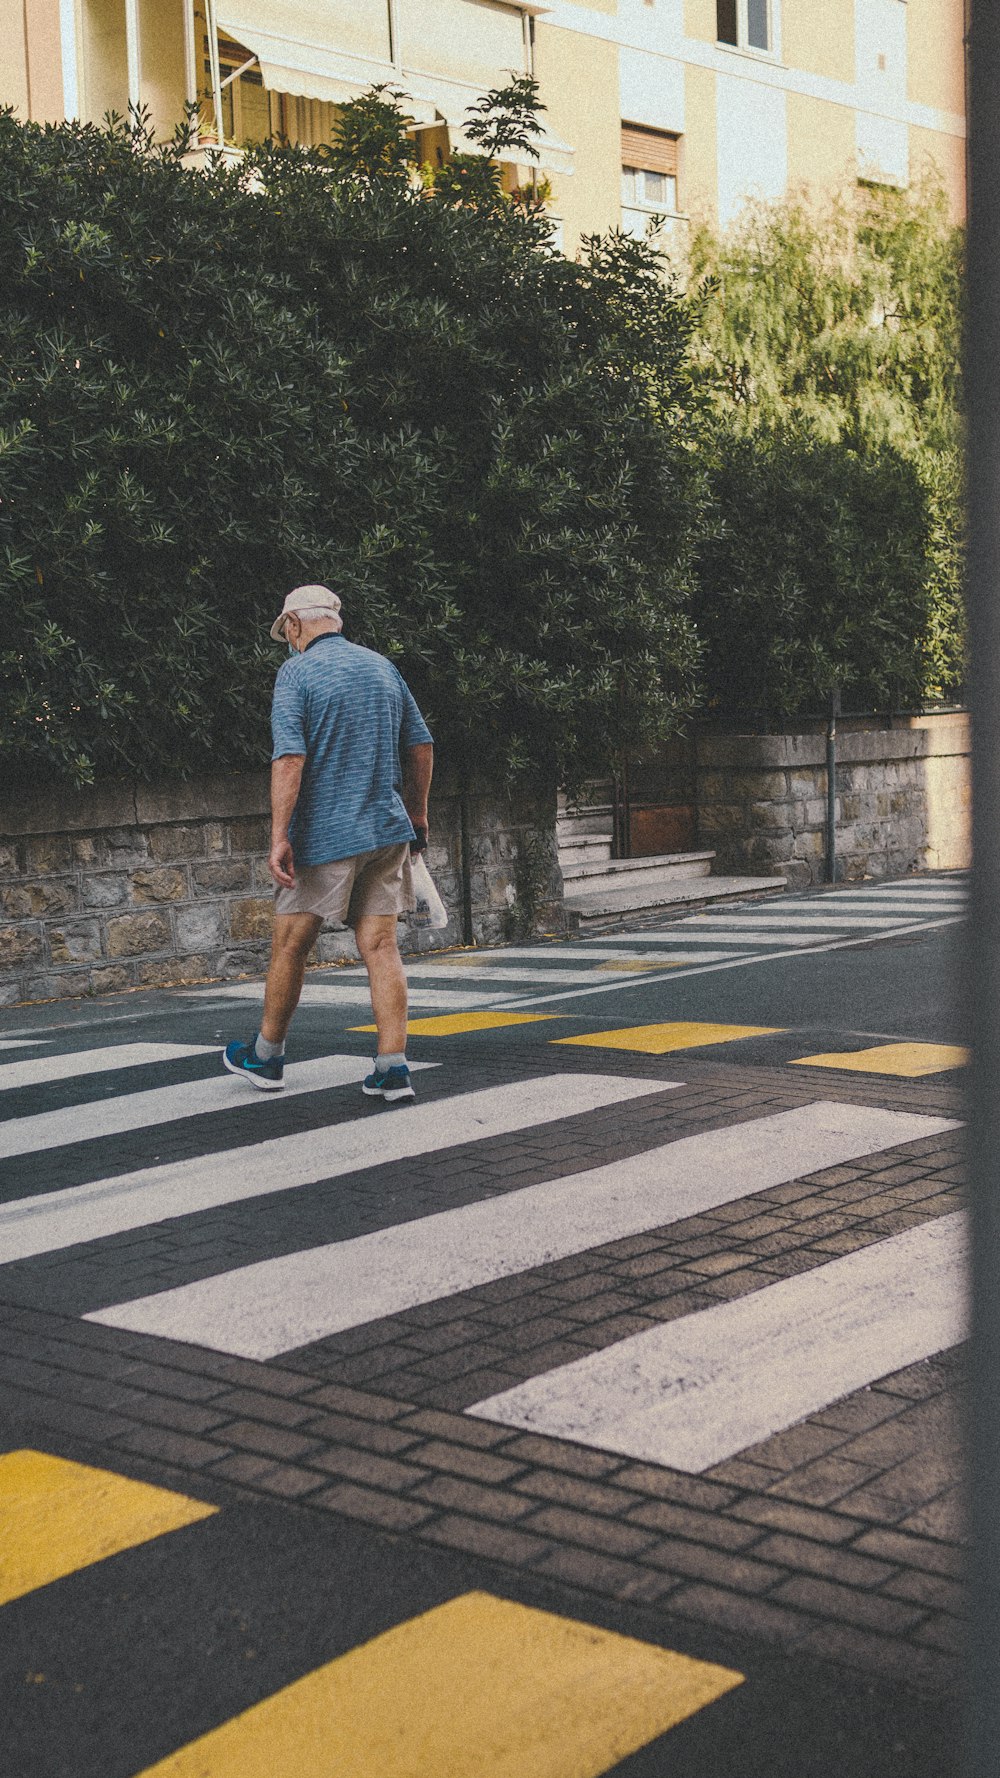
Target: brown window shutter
651, 150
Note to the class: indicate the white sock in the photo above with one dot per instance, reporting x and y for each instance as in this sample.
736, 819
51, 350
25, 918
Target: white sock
266, 1052
397, 1060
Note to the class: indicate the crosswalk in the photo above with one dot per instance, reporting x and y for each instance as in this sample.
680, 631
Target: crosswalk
262, 1310
719, 938
52, 1221
689, 1395
676, 1395
116, 1155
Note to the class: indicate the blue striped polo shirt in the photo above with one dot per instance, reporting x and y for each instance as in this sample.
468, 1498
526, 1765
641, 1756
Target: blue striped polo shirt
350, 712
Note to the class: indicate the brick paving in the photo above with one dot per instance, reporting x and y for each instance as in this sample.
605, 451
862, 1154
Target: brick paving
840, 1538
855, 1577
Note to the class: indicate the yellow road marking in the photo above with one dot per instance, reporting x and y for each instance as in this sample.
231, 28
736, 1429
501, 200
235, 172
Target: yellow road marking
449, 1024
477, 1688
639, 968
656, 1040
911, 1059
60, 1516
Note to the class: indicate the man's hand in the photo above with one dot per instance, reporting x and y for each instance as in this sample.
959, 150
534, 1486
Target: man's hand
417, 769
281, 863
286, 777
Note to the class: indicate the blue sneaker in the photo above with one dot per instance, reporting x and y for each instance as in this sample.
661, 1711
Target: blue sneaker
242, 1058
389, 1083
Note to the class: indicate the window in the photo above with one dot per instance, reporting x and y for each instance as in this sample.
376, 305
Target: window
758, 25
649, 177
746, 24
654, 191
726, 23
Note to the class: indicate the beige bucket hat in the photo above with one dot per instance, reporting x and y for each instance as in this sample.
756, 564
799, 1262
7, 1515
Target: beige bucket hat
305, 598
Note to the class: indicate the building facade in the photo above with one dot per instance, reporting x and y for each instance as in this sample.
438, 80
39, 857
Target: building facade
658, 112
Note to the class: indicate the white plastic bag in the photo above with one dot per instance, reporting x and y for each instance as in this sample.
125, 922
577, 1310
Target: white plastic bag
430, 910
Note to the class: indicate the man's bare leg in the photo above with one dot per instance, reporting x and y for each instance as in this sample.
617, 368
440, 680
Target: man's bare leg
293, 939
376, 940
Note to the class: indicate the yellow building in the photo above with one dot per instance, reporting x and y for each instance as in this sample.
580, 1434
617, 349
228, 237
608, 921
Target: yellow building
674, 108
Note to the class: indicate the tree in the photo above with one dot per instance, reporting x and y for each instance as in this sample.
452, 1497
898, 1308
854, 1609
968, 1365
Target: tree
828, 354
316, 367
845, 320
818, 581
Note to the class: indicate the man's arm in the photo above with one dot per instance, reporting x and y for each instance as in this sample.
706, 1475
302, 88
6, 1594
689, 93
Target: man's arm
286, 778
417, 770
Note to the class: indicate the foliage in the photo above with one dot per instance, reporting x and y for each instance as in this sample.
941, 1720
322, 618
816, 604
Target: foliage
820, 579
533, 869
314, 367
828, 351
845, 320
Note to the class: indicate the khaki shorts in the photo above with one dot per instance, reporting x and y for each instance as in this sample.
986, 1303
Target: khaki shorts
378, 882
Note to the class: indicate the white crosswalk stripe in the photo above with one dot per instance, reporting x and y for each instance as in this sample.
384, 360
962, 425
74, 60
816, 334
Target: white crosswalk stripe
933, 889
490, 969
688, 1394
262, 1310
592, 950
349, 990
55, 1220
948, 898
41, 1070
683, 932
801, 918
101, 1118
692, 1393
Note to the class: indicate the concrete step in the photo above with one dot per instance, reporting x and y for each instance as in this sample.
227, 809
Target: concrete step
585, 848
649, 872
595, 823
604, 909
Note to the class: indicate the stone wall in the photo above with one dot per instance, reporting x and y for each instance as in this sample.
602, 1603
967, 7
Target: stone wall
129, 886
903, 799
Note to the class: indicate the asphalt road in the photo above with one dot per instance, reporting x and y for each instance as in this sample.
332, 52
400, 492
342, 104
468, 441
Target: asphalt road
366, 1637
111, 1669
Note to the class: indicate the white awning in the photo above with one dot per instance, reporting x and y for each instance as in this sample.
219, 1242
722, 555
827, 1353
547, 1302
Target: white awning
306, 33
314, 49
452, 51
475, 43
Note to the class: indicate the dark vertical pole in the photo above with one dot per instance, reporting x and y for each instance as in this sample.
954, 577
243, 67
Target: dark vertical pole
982, 976
468, 930
626, 851
831, 788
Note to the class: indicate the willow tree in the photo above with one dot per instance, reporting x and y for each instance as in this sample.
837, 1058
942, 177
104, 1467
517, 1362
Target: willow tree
827, 350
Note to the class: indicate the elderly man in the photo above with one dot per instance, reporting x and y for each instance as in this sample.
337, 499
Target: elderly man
344, 815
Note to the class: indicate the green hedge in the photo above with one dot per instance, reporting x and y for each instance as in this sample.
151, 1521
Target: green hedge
216, 387
822, 579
